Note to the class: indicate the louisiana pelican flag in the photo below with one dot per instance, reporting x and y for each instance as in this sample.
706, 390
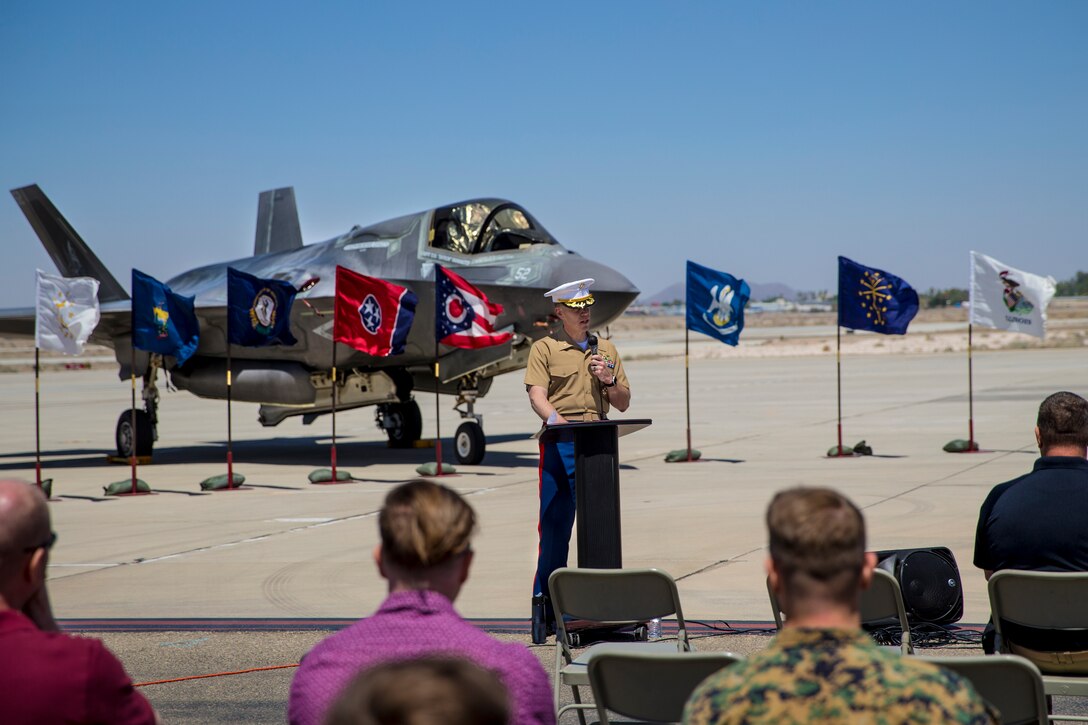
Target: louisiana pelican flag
67, 312
872, 299
1008, 299
715, 303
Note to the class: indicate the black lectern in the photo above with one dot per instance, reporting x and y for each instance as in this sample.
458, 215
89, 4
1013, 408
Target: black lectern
597, 483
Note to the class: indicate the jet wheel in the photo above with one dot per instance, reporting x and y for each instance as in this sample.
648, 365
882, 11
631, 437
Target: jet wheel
145, 440
407, 424
470, 443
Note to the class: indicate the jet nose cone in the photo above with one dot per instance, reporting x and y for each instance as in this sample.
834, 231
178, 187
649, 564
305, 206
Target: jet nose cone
612, 292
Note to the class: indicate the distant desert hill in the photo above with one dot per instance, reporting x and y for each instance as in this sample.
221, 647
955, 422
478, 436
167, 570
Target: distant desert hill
760, 292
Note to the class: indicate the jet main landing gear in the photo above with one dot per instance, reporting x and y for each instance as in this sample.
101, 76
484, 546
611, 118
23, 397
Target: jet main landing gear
145, 432
402, 422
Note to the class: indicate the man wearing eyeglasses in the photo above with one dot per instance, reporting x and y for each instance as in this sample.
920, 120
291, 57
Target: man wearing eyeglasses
46, 675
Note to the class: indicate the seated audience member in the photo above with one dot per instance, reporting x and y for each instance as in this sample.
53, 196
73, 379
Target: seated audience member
47, 676
1037, 521
822, 667
425, 556
427, 691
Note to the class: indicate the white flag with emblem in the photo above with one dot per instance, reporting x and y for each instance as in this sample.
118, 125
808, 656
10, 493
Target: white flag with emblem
67, 312
1008, 299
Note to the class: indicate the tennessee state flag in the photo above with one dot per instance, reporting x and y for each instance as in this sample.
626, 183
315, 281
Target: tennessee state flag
372, 315
464, 317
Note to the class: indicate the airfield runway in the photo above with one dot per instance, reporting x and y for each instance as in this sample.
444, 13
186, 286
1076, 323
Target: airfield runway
286, 555
288, 549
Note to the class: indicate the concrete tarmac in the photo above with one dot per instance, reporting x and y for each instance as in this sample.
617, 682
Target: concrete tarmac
287, 549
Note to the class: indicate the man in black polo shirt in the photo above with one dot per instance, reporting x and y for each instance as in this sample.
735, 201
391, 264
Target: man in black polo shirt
1038, 521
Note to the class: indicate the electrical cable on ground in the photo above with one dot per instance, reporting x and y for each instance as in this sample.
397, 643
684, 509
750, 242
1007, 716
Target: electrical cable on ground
215, 674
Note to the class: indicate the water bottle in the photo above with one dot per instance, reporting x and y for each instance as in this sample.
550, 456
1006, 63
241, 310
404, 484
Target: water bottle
653, 629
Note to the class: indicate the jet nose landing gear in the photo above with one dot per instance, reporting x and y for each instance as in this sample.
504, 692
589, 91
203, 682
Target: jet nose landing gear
469, 443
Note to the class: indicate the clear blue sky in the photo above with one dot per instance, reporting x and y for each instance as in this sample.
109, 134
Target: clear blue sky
762, 138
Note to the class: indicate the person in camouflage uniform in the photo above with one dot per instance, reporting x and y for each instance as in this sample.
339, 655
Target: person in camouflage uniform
822, 667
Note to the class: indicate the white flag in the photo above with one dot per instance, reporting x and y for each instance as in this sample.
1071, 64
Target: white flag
67, 312
1007, 298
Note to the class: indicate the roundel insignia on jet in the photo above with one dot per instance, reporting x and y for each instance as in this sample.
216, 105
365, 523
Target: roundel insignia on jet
370, 314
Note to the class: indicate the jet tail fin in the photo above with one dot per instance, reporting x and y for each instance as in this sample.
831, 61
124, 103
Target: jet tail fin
277, 222
69, 252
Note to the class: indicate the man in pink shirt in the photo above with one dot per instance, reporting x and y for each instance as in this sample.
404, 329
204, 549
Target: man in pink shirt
47, 676
425, 555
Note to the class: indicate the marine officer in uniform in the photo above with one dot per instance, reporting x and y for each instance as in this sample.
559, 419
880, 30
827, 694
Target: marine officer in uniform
571, 376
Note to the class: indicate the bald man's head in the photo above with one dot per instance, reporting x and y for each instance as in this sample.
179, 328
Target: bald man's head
24, 523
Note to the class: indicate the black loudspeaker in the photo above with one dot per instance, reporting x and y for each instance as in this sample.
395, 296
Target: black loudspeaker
930, 580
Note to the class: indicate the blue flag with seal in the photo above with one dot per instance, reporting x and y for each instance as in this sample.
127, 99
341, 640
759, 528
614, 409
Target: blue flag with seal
162, 320
715, 302
258, 310
871, 299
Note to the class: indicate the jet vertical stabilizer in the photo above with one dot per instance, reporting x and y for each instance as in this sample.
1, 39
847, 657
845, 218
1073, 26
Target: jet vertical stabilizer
277, 222
69, 252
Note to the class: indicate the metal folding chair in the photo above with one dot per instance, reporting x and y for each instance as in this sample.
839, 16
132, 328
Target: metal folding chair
1010, 683
883, 600
650, 686
615, 598
1043, 616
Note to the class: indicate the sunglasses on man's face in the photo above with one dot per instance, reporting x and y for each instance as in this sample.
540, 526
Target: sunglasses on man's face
47, 544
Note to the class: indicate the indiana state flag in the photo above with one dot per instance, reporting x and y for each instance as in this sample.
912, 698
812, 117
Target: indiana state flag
258, 310
162, 320
872, 299
715, 302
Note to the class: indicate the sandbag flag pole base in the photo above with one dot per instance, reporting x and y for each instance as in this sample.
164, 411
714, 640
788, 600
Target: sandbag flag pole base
225, 482
959, 445
861, 448
128, 488
683, 455
325, 477
430, 470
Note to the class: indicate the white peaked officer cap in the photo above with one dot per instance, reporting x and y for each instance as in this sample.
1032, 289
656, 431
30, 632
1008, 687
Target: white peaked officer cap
572, 294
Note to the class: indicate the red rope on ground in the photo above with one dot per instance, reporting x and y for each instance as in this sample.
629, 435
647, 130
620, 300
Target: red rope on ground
216, 674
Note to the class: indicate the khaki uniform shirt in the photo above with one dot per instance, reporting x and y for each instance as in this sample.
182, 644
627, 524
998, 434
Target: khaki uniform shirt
558, 365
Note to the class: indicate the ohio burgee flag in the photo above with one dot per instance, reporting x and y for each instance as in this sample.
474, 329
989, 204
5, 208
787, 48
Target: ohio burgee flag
67, 312
1008, 299
258, 310
372, 315
871, 299
715, 303
162, 320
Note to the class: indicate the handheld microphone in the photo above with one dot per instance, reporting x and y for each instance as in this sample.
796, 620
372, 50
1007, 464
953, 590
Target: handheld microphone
591, 339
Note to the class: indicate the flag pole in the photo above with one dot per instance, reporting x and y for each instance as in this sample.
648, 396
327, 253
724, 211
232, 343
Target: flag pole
132, 457
37, 427
437, 415
230, 451
334, 411
838, 377
970, 394
687, 386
